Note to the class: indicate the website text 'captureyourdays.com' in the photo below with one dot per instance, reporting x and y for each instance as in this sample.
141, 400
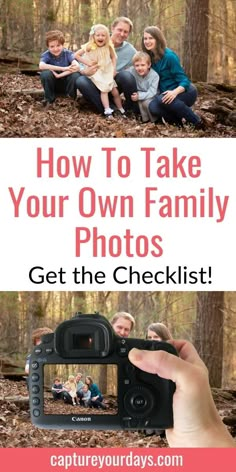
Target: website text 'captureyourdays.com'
130, 459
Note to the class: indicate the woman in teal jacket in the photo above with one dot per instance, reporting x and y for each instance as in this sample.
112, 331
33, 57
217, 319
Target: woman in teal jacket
96, 396
177, 93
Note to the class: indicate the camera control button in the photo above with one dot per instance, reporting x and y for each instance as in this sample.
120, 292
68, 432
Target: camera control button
35, 401
47, 338
35, 389
37, 351
139, 401
130, 422
126, 381
123, 351
126, 421
35, 365
36, 412
146, 422
49, 350
122, 348
35, 377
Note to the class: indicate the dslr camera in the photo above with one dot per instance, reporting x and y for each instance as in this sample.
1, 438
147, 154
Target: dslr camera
87, 344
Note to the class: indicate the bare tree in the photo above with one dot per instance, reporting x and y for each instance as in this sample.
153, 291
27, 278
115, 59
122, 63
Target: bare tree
86, 18
196, 39
123, 8
209, 333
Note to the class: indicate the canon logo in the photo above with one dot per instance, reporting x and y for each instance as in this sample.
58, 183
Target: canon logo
81, 418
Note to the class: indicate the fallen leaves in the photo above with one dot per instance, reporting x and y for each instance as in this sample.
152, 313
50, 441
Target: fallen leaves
22, 115
16, 429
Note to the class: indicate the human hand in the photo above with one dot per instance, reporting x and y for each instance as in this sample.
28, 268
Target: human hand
196, 420
74, 67
90, 70
168, 96
134, 97
56, 74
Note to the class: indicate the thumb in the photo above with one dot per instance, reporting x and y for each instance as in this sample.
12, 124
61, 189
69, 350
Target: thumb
163, 363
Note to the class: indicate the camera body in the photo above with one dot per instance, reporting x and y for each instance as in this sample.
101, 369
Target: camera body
88, 344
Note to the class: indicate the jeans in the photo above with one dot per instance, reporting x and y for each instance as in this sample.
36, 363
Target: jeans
57, 396
67, 398
177, 110
125, 81
127, 84
97, 403
54, 87
90, 92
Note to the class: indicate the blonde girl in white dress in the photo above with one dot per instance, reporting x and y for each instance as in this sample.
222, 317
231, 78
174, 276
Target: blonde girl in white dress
70, 386
100, 51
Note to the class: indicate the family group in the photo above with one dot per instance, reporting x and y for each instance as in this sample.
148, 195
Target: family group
119, 80
74, 391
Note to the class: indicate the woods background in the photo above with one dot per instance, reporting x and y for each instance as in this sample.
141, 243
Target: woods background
202, 32
208, 319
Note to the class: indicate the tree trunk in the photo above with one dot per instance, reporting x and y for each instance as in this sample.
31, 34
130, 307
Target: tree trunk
196, 39
86, 19
209, 333
102, 379
28, 25
4, 22
80, 304
50, 15
123, 301
123, 8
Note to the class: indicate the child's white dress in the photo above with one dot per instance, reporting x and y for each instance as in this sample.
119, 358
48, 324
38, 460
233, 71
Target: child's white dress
71, 388
104, 77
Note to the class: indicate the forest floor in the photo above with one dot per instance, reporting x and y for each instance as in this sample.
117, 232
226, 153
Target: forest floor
16, 429
22, 115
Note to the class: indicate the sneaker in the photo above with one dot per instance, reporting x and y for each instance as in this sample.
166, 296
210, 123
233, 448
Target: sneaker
133, 116
108, 112
202, 124
47, 105
109, 116
122, 114
103, 406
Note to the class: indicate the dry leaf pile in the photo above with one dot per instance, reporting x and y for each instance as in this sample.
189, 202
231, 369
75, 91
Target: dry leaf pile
16, 429
22, 115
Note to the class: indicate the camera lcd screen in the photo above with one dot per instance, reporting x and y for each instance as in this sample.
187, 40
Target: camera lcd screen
72, 389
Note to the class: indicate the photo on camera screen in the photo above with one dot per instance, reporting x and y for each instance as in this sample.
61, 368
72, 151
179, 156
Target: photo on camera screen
69, 389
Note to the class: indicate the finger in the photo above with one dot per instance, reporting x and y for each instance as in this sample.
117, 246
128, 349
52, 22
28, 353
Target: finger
164, 364
187, 351
158, 362
166, 99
